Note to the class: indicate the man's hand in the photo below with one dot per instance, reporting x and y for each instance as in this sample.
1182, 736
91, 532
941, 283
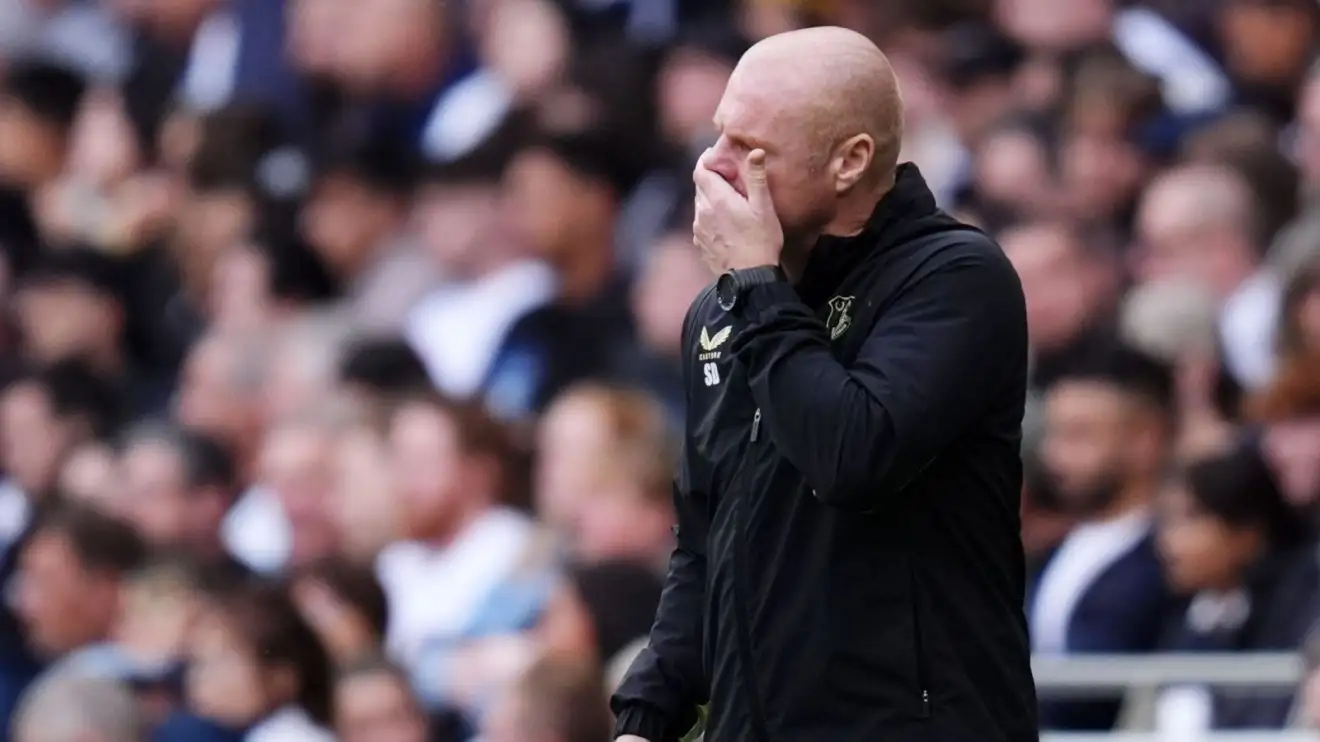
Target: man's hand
732, 231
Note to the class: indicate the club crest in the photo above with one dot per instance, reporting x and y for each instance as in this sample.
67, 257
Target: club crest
840, 318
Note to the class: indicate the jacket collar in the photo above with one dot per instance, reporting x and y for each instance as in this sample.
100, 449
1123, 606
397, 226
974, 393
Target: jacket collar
898, 216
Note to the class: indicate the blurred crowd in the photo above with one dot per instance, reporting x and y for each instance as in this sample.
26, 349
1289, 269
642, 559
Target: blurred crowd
340, 347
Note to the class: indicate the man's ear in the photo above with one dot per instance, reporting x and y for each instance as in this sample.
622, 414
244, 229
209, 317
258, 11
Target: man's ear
852, 161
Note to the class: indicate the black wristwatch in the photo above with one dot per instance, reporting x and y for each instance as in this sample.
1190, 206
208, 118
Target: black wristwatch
731, 284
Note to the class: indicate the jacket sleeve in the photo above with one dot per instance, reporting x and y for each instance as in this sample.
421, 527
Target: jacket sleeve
930, 367
658, 698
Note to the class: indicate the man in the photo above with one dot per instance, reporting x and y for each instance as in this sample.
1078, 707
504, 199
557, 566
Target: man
1201, 222
848, 562
373, 703
45, 415
38, 105
451, 467
65, 592
1107, 438
556, 701
356, 221
177, 484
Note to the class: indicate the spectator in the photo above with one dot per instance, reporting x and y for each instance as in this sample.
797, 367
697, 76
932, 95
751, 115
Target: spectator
296, 471
497, 292
672, 276
416, 79
355, 220
69, 578
68, 708
255, 665
68, 310
38, 103
1229, 539
373, 703
451, 463
604, 474
44, 416
176, 486
303, 363
366, 510
219, 391
1176, 212
556, 701
1107, 435
66, 591
1070, 284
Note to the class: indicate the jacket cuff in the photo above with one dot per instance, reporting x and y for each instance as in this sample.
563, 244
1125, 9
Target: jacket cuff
645, 722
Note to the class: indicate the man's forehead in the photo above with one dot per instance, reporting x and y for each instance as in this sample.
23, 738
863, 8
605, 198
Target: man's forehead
752, 108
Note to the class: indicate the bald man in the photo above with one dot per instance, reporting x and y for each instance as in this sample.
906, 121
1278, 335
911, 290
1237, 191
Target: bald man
848, 564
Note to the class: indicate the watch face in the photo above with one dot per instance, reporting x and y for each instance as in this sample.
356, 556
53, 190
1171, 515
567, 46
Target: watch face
726, 291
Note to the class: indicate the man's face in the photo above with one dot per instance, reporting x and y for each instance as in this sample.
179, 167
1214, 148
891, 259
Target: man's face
388, 35
1177, 242
208, 399
24, 143
1086, 449
1059, 295
376, 707
1054, 26
61, 604
673, 277
65, 319
752, 115
546, 202
1200, 551
456, 222
1266, 43
32, 439
424, 447
690, 86
345, 221
1293, 450
297, 465
154, 493
573, 441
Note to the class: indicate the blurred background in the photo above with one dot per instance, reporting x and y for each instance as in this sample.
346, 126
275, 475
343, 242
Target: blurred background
340, 348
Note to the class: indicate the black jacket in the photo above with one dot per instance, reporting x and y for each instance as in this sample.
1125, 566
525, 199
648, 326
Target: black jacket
849, 565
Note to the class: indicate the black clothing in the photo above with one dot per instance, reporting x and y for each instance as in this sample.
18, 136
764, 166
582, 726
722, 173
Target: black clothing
849, 565
1280, 603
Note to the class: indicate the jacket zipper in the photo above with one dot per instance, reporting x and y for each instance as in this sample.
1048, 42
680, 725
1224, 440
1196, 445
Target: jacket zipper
744, 629
919, 646
743, 623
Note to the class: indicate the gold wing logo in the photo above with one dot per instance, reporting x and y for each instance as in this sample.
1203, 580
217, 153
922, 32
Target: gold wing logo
840, 318
710, 343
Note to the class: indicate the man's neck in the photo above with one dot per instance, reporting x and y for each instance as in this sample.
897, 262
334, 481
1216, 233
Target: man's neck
850, 218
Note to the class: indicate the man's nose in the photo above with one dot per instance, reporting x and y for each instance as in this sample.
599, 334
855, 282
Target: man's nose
720, 160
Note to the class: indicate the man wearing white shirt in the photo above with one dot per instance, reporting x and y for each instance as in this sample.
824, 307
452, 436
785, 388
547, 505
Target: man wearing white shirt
462, 543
